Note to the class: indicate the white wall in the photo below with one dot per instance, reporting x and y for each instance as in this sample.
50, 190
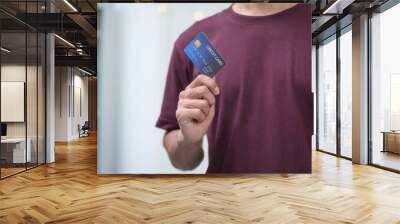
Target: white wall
67, 117
79, 117
61, 103
134, 47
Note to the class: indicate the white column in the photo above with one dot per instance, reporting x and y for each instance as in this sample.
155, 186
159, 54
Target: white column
50, 99
360, 90
50, 92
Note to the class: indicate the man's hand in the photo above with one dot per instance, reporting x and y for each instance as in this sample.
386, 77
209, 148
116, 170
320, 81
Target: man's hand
195, 112
196, 109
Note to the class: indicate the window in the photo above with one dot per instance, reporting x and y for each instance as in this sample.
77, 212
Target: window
346, 93
385, 89
327, 96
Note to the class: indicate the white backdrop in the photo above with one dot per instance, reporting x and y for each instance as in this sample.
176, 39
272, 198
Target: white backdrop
134, 47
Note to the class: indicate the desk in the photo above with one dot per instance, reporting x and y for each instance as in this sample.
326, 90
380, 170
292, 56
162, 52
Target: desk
391, 141
13, 150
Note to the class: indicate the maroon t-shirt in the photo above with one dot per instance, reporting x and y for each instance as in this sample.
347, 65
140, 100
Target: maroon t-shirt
264, 113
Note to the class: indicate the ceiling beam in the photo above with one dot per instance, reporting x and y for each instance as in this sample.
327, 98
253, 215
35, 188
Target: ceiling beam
86, 26
83, 61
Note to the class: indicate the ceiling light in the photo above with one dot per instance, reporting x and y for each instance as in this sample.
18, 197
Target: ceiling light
337, 7
84, 71
5, 50
79, 51
65, 41
70, 5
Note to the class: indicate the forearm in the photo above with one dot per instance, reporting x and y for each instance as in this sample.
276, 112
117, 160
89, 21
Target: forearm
183, 155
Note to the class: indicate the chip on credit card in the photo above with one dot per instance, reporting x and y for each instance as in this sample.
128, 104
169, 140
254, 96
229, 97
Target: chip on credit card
204, 55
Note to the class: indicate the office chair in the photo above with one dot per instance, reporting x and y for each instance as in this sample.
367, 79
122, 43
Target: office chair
84, 130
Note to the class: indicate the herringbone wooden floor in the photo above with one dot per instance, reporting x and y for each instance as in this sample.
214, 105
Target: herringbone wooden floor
70, 191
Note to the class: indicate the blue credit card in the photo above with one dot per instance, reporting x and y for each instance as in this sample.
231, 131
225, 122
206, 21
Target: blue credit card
204, 55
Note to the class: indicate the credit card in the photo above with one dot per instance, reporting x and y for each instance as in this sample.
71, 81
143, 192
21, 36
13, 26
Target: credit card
204, 55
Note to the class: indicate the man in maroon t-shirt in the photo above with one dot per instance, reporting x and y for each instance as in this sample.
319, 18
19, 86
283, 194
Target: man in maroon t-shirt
257, 111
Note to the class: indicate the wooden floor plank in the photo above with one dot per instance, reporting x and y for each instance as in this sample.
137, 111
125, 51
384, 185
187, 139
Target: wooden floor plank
70, 191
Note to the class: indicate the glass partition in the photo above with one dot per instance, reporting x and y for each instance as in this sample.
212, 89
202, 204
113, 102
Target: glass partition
32, 95
22, 88
32, 86
13, 108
